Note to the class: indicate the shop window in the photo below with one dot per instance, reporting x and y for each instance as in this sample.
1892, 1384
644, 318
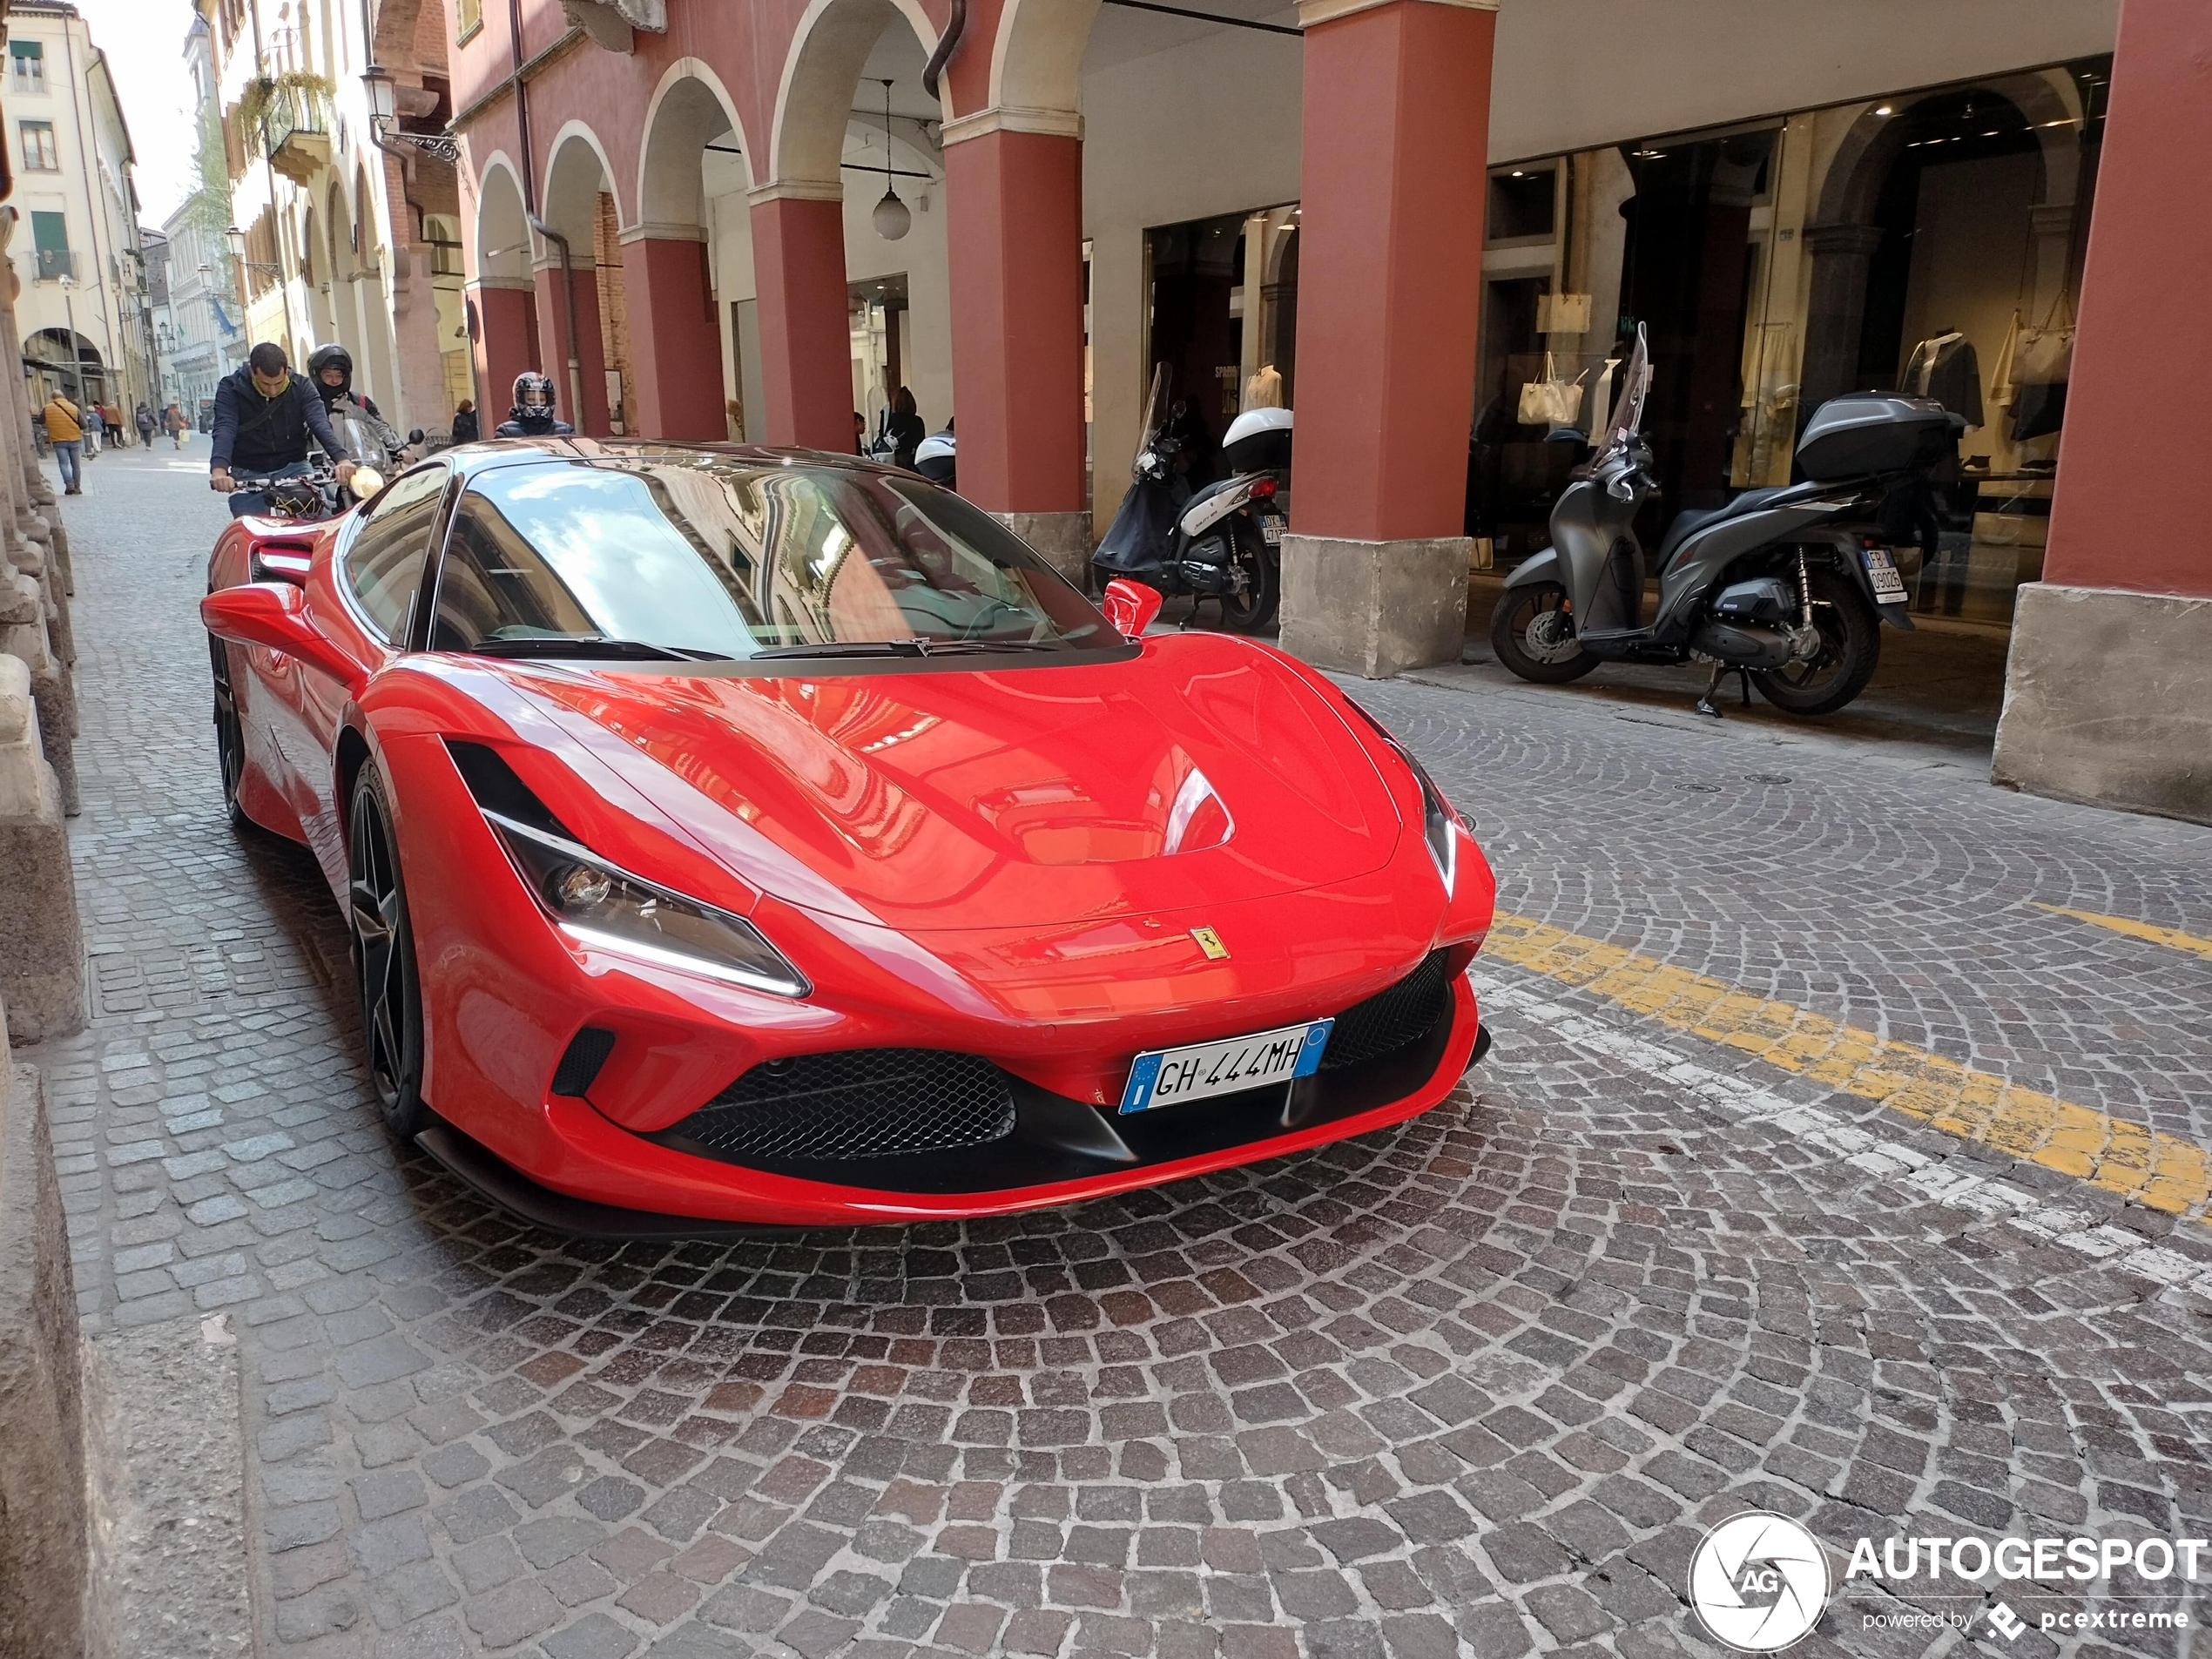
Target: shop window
27, 66
38, 152
1522, 204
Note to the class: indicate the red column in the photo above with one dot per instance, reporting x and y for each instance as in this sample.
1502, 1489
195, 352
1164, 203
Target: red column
553, 347
1395, 135
2119, 516
805, 340
1014, 230
506, 345
2106, 695
675, 339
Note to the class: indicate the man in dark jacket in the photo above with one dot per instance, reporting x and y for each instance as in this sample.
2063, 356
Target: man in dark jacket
533, 416
264, 415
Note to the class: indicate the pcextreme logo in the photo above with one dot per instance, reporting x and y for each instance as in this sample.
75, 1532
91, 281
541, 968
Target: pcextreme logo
1759, 1581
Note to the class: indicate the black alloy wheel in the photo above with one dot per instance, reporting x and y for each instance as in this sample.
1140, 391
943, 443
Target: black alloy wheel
230, 735
1533, 632
1850, 649
382, 946
1257, 571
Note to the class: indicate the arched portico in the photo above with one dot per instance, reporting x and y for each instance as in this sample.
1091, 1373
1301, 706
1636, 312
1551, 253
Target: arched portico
578, 306
664, 258
797, 216
503, 311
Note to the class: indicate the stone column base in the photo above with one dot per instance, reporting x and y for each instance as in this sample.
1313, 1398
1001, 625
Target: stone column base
1374, 608
42, 945
1062, 539
2106, 700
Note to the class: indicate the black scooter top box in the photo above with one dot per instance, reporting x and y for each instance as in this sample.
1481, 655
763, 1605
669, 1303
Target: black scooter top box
1869, 432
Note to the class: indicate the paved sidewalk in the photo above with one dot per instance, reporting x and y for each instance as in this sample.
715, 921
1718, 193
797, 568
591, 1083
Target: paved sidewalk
1476, 1384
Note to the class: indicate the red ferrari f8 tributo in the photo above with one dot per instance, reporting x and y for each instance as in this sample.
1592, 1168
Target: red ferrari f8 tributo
740, 837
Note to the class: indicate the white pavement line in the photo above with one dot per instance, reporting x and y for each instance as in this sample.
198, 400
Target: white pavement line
1964, 1189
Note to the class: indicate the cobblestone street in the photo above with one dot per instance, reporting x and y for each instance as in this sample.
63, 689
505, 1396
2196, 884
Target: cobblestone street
1476, 1384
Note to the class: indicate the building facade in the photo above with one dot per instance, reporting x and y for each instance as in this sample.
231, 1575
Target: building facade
83, 312
709, 220
347, 218
206, 334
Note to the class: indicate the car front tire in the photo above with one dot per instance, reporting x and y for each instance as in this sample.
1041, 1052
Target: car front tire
382, 946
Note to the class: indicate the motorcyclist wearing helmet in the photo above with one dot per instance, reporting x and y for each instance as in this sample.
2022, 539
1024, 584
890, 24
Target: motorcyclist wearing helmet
533, 416
331, 369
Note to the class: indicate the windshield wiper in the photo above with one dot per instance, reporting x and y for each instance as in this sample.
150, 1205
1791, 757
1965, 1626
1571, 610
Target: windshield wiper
851, 647
589, 646
915, 647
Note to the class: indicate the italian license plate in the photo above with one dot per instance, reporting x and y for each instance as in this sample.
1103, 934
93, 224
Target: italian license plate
1271, 528
1882, 571
1170, 1076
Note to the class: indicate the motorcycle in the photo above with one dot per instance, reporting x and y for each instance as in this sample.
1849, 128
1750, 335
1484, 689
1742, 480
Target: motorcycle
378, 449
1787, 587
1222, 543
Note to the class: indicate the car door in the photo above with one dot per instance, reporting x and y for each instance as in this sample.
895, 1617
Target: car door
376, 575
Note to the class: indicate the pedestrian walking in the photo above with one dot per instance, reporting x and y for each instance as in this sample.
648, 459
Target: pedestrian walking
466, 429
92, 425
65, 431
145, 424
173, 418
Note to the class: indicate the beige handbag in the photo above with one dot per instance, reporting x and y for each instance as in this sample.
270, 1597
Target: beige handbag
1552, 401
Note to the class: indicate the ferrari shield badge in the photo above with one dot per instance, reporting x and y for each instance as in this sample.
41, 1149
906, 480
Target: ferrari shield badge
1210, 943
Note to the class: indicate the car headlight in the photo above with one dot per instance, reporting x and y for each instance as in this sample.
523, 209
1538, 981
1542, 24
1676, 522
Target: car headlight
1438, 818
596, 904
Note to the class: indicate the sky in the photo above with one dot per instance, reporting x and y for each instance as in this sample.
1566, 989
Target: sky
144, 40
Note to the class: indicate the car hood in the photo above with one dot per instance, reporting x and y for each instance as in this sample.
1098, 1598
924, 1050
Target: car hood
1204, 770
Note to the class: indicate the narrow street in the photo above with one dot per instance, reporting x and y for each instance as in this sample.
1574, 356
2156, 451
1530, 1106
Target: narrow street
1845, 1151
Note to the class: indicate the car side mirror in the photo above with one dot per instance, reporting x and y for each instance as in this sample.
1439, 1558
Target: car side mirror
273, 615
1131, 606
415, 436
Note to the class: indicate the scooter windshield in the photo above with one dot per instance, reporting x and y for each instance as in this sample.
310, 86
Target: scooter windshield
1156, 406
1627, 408
361, 440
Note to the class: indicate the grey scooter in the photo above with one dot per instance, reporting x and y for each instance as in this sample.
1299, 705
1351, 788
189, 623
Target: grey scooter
1786, 586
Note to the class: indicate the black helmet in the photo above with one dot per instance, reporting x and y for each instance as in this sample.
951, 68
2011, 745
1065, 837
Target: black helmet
331, 357
533, 397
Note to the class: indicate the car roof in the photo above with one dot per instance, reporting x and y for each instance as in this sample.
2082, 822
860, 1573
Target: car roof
734, 458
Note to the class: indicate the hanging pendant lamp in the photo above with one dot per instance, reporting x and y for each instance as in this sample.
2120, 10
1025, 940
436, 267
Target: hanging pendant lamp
892, 219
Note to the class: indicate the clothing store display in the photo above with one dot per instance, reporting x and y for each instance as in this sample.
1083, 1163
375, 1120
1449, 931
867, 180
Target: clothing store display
1944, 366
1263, 389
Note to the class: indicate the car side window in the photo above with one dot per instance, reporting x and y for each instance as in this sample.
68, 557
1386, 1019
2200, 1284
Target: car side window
383, 562
494, 585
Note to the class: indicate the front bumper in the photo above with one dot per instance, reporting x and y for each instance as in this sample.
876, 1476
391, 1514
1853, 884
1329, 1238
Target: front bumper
595, 1179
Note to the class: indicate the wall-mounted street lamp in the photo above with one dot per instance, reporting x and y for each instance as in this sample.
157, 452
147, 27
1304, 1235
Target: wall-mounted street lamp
234, 239
384, 108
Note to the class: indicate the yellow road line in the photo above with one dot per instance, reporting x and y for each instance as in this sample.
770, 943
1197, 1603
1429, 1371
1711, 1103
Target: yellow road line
2173, 938
2161, 1170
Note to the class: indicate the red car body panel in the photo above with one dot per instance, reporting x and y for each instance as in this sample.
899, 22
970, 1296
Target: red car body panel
973, 860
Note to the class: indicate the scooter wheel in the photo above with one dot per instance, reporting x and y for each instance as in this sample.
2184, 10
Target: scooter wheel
1850, 649
1534, 634
1262, 568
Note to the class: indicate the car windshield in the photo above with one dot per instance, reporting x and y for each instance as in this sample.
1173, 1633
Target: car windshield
708, 555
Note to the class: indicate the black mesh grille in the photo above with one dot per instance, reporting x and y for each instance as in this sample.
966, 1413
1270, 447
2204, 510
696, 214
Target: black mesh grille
857, 1103
586, 1053
1390, 1020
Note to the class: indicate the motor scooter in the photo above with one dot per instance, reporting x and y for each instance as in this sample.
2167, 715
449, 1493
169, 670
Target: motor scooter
1787, 587
1222, 543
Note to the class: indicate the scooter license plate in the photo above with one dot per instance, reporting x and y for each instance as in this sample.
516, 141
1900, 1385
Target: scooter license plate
1272, 527
1882, 571
1170, 1076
